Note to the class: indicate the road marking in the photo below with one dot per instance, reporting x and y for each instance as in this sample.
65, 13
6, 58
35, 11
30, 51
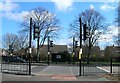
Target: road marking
72, 72
42, 72
103, 69
102, 79
45, 69
17, 67
5, 70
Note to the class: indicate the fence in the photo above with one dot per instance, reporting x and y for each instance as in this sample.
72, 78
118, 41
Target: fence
14, 64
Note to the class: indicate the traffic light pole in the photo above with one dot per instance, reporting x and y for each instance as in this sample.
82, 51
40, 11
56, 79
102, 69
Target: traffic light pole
30, 39
38, 49
48, 48
80, 45
73, 50
111, 65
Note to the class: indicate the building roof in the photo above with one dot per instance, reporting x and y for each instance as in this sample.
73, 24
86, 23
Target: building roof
54, 49
112, 51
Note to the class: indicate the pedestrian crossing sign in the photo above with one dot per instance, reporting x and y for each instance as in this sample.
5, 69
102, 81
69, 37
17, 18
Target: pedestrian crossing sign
79, 55
73, 54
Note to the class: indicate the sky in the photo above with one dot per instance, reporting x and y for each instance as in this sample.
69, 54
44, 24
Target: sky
12, 13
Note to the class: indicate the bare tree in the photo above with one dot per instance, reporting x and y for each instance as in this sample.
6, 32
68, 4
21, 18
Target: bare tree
117, 19
46, 21
22, 41
17, 42
96, 25
9, 39
117, 23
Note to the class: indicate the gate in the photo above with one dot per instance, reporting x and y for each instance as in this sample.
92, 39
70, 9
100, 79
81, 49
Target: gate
15, 64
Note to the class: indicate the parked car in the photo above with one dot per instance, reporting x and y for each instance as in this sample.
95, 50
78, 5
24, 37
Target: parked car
13, 59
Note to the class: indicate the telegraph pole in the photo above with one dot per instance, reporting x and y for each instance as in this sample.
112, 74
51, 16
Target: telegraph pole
30, 39
80, 52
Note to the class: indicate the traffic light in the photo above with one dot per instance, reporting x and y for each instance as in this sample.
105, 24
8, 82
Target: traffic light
10, 49
36, 32
51, 43
86, 32
76, 44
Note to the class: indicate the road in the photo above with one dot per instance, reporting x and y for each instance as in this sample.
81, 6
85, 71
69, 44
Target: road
53, 73
70, 70
57, 73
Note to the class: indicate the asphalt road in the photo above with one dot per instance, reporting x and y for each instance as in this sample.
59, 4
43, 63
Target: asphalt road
50, 73
66, 69
70, 70
56, 73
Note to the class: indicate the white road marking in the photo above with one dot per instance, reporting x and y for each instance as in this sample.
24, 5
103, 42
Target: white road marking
103, 69
72, 72
18, 67
45, 69
33, 66
5, 70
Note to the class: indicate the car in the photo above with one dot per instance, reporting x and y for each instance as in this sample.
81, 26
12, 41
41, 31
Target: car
13, 59
20, 59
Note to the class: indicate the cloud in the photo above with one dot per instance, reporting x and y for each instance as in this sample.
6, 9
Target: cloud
8, 6
107, 7
8, 10
63, 5
19, 17
114, 0
63, 41
112, 31
92, 7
